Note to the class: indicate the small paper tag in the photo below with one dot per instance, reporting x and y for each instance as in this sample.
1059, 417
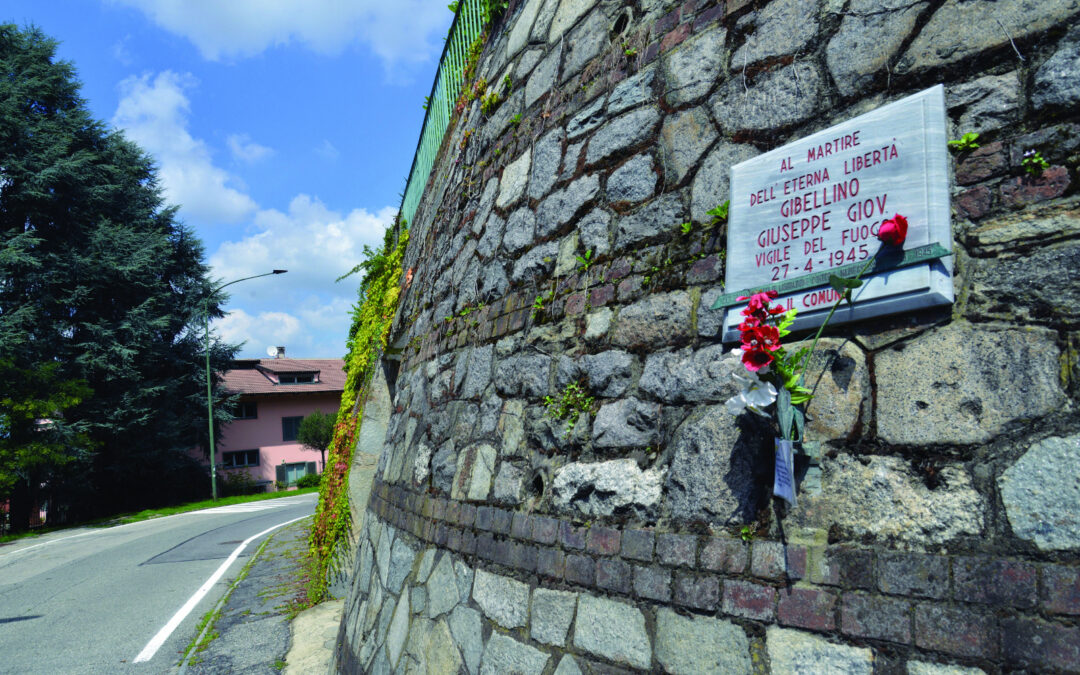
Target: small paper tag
784, 473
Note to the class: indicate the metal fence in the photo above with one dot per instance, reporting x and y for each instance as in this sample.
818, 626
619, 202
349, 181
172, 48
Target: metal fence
467, 25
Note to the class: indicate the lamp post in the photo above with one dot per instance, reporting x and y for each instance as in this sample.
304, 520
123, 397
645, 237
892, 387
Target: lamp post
209, 394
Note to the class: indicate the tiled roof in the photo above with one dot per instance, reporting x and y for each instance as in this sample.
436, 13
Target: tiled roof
257, 376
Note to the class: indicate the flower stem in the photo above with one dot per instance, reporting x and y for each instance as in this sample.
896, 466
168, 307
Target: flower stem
813, 346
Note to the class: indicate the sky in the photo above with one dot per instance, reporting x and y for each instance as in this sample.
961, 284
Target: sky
283, 129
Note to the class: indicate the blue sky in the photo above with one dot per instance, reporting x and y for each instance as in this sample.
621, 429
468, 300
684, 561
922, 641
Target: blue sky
284, 129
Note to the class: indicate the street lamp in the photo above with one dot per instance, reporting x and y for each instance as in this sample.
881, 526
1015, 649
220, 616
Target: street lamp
209, 395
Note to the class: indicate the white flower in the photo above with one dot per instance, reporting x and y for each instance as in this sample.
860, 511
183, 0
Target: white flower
756, 395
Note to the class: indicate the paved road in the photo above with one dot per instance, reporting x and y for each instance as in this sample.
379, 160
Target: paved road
94, 600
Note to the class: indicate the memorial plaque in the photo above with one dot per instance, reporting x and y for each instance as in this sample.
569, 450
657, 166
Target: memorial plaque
812, 208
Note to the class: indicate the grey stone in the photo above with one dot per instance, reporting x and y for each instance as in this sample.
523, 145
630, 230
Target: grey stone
442, 590
690, 645
627, 423
612, 630
926, 668
1057, 82
506, 655
689, 376
595, 231
568, 13
519, 33
444, 466
1029, 287
586, 119
500, 121
418, 600
567, 260
552, 612
545, 167
542, 26
684, 137
570, 160
489, 415
715, 468
839, 375
632, 91
609, 373
783, 27
466, 629
870, 35
523, 375
508, 483
504, 600
709, 320
399, 629
479, 372
691, 68
883, 498
464, 579
960, 29
634, 181
992, 380
598, 323
543, 77
710, 187
621, 133
584, 43
473, 478
426, 564
382, 555
988, 103
779, 98
607, 488
654, 321
661, 215
493, 282
512, 428
537, 263
1041, 493
793, 651
561, 206
515, 177
435, 650
567, 666
526, 63
520, 230
493, 232
401, 561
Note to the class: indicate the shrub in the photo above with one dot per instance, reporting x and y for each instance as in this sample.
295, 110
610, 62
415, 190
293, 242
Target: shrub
309, 480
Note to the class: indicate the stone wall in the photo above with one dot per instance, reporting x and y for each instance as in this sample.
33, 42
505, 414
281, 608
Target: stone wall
940, 530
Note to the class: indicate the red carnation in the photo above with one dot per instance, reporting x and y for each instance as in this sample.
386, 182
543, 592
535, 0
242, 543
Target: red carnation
893, 231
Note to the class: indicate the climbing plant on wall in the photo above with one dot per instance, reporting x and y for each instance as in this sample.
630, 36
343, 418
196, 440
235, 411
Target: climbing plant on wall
380, 288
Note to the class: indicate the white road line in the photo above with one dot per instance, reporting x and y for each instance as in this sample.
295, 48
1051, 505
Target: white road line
162, 635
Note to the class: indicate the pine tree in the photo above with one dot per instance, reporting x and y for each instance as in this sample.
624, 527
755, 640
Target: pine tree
101, 297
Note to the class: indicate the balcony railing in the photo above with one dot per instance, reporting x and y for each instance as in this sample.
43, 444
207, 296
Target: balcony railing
467, 26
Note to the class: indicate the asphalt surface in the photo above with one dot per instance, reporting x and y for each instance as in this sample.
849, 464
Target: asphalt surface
91, 600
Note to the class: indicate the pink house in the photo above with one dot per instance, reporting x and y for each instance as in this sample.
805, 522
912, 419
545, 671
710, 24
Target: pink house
275, 394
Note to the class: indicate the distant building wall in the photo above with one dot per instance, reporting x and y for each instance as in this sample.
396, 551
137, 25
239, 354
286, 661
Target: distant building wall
943, 532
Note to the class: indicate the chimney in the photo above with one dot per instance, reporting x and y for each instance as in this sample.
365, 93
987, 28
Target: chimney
280, 353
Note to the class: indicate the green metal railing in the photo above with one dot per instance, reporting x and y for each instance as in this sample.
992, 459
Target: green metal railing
468, 24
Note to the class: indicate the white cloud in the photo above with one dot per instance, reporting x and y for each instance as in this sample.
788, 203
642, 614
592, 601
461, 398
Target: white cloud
317, 330
398, 31
327, 150
314, 243
153, 112
246, 150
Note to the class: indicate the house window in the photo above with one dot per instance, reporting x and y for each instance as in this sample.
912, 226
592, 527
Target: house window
247, 410
296, 378
290, 428
239, 458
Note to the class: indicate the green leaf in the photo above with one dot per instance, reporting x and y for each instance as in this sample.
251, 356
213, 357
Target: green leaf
842, 283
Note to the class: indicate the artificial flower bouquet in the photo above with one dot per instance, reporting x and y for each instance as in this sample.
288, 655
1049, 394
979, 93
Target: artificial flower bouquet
776, 375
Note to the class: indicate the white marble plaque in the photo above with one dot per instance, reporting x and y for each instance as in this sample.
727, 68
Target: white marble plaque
799, 212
